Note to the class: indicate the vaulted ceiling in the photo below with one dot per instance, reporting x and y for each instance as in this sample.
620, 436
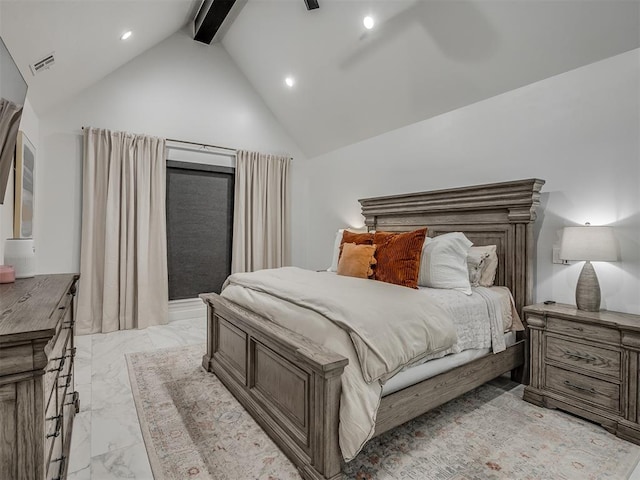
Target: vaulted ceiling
422, 58
85, 37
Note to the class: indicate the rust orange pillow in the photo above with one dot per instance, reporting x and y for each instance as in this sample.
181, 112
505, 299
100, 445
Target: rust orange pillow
365, 238
357, 260
357, 238
398, 256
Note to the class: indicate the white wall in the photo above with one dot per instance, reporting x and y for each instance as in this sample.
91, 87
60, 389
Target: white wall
579, 131
179, 89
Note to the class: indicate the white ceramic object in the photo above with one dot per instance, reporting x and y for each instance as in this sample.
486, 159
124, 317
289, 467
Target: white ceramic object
21, 254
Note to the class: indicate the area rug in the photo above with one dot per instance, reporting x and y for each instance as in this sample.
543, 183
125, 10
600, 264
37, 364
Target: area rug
194, 428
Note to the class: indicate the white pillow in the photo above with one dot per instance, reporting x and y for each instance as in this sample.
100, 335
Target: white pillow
489, 266
475, 264
336, 251
444, 262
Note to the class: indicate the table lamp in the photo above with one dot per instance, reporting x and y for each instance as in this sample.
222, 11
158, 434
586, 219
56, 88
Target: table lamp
590, 244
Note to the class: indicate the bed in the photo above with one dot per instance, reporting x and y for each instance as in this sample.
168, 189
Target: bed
292, 385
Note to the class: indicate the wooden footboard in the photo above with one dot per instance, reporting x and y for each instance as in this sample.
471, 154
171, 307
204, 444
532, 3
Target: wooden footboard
289, 384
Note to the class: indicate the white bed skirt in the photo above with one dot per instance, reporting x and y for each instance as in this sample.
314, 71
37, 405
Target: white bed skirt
429, 369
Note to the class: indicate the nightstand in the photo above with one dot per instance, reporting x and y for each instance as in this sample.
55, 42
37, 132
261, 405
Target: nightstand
586, 363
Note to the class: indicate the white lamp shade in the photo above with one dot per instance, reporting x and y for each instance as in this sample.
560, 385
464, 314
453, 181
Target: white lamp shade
595, 244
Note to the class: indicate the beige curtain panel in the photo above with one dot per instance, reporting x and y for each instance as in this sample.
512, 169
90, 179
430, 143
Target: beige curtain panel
261, 235
123, 263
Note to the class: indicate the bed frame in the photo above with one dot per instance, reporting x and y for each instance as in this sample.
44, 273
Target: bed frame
291, 385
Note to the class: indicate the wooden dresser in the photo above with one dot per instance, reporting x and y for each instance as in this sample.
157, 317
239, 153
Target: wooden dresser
586, 363
37, 398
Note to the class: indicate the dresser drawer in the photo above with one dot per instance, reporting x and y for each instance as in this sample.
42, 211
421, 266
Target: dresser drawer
51, 411
583, 387
57, 360
56, 463
588, 357
65, 380
583, 330
64, 306
52, 432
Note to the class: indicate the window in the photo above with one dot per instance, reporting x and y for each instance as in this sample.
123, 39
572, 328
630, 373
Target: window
199, 227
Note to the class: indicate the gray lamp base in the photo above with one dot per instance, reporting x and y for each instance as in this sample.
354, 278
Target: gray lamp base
588, 289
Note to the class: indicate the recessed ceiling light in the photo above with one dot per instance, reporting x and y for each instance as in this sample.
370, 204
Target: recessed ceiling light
289, 81
368, 22
126, 35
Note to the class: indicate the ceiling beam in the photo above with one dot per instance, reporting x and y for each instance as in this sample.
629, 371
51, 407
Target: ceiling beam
210, 18
312, 4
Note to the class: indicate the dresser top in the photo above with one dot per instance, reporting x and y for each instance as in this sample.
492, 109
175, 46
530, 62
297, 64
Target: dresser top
27, 307
571, 312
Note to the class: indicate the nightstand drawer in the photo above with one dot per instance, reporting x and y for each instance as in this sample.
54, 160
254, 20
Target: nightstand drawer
595, 359
583, 330
602, 393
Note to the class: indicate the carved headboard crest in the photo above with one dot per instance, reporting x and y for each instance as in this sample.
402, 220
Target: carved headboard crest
499, 214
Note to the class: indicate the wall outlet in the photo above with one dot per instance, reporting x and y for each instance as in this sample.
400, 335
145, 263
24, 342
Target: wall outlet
556, 257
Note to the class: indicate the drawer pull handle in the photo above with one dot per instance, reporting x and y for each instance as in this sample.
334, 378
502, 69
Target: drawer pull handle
50, 419
580, 329
578, 387
586, 357
62, 307
59, 459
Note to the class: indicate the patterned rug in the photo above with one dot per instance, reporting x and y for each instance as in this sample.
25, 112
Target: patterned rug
195, 429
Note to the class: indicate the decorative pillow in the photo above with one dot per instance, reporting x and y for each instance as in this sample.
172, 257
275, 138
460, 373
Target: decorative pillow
490, 265
357, 238
365, 238
398, 256
337, 244
475, 264
357, 260
444, 262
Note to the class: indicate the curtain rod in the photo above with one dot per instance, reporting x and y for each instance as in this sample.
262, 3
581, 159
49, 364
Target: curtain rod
201, 144
198, 144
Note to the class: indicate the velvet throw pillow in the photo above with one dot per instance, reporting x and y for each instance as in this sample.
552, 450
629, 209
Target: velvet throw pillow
357, 238
357, 260
365, 238
398, 256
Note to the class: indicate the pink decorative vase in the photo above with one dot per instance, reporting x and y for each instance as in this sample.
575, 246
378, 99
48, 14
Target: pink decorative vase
7, 274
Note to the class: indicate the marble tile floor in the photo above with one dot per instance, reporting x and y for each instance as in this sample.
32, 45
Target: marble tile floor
107, 442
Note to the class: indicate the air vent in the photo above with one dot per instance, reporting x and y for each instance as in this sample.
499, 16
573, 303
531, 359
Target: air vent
44, 64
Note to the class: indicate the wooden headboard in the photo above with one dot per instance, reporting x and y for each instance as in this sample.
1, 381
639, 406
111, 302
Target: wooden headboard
499, 214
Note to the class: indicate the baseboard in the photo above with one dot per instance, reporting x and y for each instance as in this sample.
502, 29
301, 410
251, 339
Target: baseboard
187, 309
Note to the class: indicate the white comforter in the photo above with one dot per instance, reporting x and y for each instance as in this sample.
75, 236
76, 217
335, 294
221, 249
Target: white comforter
379, 327
389, 326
